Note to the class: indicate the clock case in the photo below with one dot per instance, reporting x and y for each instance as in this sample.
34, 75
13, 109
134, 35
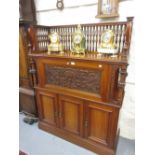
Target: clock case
107, 45
55, 45
78, 41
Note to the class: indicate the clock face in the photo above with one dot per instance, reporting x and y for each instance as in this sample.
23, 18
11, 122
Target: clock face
54, 37
106, 37
77, 39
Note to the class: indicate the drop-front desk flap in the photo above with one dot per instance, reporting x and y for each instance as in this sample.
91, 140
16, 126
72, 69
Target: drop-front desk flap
99, 77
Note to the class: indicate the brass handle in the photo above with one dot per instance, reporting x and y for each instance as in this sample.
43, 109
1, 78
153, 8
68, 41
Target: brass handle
100, 66
121, 84
72, 63
121, 77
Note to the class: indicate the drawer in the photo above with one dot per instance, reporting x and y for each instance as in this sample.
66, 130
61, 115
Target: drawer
73, 63
85, 64
53, 61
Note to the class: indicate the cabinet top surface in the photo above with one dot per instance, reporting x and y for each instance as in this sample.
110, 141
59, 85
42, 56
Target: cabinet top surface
91, 57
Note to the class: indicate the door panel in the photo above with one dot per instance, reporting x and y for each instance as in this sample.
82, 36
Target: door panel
71, 110
98, 130
48, 106
99, 123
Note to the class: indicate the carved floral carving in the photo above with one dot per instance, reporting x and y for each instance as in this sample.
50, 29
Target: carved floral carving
80, 79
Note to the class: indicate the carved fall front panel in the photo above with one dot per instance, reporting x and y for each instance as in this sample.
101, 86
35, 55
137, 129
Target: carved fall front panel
81, 79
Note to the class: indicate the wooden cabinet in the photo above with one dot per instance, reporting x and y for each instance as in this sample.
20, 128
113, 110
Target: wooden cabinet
92, 121
79, 96
75, 100
61, 111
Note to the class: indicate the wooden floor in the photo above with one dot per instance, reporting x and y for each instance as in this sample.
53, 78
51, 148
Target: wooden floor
34, 141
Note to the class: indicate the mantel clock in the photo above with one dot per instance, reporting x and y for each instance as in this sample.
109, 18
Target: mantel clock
107, 45
78, 41
55, 45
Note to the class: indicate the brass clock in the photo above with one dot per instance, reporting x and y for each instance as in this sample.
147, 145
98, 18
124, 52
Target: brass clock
77, 38
54, 37
55, 45
78, 42
107, 39
107, 44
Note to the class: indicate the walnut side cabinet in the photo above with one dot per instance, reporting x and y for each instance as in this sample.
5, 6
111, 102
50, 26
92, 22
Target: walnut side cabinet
79, 97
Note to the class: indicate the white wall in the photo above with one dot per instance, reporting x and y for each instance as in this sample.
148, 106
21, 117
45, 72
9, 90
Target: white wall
84, 11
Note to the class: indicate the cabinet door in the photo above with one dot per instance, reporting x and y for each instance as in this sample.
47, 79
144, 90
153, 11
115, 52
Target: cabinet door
48, 108
71, 114
99, 123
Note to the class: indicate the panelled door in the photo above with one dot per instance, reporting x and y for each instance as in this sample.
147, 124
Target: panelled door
98, 123
71, 114
48, 107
